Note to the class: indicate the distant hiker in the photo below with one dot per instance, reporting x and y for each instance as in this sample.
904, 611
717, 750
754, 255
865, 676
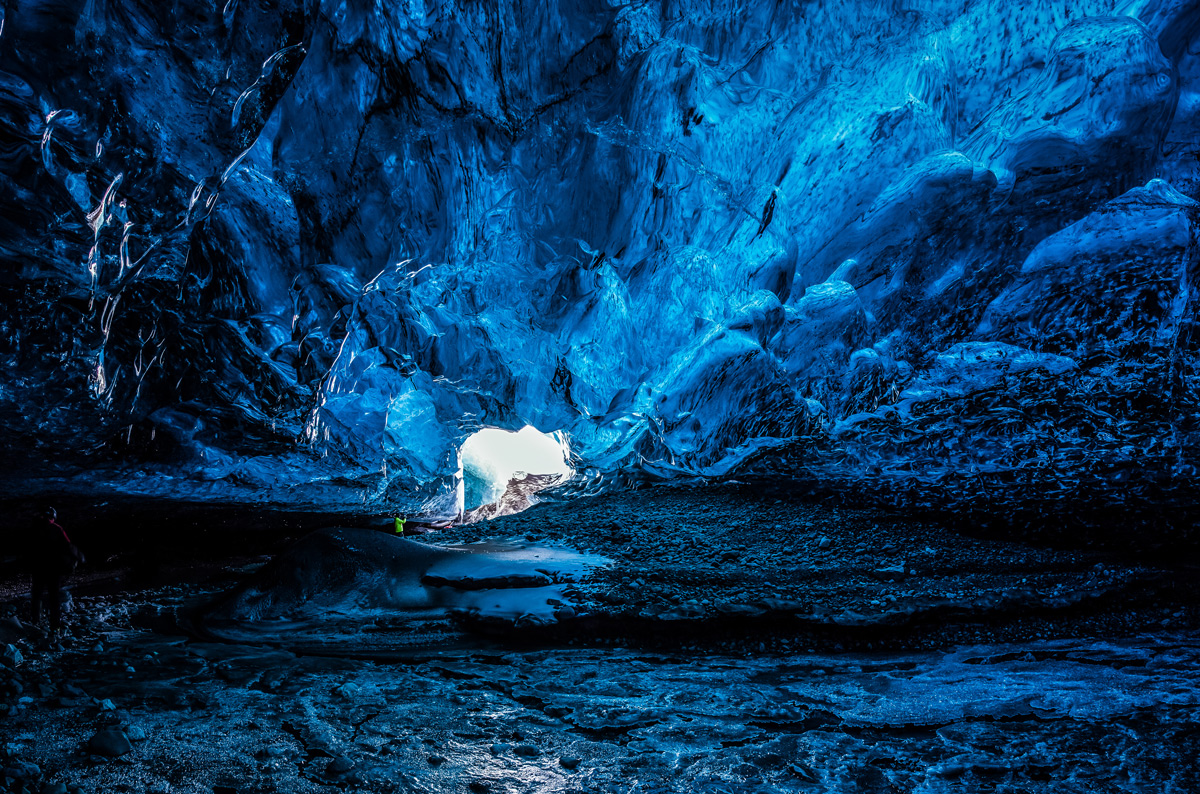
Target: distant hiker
52, 556
407, 528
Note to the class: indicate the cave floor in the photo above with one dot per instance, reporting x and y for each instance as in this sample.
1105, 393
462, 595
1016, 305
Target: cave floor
739, 641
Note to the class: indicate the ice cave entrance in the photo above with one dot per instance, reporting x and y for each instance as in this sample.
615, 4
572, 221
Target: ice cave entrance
491, 458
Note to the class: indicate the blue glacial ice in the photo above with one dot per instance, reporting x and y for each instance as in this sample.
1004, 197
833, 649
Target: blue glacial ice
305, 251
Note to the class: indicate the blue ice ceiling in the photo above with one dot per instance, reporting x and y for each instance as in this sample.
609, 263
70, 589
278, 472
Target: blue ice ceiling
297, 245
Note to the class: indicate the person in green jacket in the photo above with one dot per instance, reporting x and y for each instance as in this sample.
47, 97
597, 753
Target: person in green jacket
399, 522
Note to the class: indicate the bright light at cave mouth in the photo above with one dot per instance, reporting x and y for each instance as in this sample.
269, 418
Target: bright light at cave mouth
491, 457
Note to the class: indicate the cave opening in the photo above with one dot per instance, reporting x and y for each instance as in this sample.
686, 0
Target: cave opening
493, 459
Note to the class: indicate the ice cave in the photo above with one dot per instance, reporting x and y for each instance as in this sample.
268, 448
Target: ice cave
595, 396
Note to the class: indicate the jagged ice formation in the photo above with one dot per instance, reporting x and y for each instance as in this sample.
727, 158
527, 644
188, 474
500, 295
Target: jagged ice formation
304, 249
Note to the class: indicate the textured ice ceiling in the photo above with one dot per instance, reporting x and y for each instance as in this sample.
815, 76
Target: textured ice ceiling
309, 247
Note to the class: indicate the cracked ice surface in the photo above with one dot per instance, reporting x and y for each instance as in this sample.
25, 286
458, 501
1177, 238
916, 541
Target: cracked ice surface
305, 251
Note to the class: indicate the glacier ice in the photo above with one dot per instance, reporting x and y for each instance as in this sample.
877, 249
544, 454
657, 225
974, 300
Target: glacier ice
307, 250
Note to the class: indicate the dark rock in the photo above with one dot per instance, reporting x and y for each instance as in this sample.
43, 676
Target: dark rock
11, 630
11, 656
110, 742
890, 573
22, 770
469, 581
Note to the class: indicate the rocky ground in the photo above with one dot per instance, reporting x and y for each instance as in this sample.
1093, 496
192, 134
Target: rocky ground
735, 640
740, 559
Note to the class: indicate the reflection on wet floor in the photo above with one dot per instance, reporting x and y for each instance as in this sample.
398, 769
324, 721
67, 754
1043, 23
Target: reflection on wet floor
334, 587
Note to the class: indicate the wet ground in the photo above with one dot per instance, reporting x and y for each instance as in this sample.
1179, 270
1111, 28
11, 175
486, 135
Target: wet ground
717, 640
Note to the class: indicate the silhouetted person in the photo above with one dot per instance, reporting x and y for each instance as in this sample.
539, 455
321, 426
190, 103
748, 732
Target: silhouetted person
52, 556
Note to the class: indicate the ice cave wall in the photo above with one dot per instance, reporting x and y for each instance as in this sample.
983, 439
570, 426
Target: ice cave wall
282, 245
